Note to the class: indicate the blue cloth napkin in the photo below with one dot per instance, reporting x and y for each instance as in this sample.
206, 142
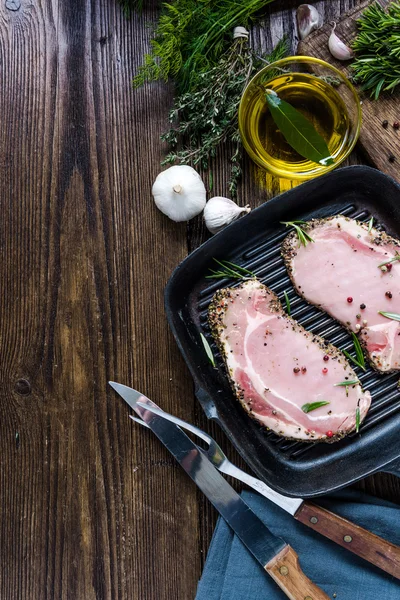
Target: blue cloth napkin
231, 573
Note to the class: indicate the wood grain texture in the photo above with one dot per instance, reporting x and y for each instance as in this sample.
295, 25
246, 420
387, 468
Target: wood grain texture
376, 142
354, 538
91, 506
88, 503
285, 569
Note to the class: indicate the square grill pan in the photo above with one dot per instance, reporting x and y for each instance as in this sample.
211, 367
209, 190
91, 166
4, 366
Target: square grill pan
293, 468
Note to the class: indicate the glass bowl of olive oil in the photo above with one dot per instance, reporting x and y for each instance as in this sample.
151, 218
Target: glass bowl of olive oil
321, 93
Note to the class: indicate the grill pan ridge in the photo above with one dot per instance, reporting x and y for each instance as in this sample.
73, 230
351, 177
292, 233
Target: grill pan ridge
294, 468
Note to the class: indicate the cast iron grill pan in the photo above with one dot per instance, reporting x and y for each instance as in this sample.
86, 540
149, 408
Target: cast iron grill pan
294, 468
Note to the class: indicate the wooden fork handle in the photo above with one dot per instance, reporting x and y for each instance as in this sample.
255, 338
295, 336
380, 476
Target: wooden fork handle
285, 570
369, 546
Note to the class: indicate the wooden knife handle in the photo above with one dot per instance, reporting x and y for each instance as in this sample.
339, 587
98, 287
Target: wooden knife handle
285, 569
369, 546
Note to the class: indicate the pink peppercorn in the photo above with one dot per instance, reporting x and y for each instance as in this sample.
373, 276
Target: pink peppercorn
329, 434
324, 370
326, 358
303, 370
389, 266
349, 299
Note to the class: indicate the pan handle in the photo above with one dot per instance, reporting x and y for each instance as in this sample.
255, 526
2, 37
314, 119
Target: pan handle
393, 468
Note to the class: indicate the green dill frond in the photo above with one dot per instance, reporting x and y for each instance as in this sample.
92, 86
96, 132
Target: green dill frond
191, 36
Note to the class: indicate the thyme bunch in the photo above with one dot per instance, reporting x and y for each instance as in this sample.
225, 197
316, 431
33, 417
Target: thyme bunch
207, 117
377, 48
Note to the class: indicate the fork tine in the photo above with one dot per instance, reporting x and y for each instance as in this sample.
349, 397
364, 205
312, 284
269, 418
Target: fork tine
140, 421
195, 430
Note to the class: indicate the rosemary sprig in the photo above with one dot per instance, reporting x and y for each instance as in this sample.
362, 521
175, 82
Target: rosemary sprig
287, 302
357, 419
303, 236
208, 349
359, 360
392, 260
313, 406
389, 315
347, 384
377, 49
370, 224
230, 270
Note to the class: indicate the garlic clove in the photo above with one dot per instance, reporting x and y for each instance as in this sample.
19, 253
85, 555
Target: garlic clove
179, 193
308, 19
220, 212
337, 48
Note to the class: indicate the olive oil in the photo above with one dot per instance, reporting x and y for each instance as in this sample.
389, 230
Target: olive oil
318, 101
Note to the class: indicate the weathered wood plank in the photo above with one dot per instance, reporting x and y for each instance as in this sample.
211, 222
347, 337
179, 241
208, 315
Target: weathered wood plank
91, 506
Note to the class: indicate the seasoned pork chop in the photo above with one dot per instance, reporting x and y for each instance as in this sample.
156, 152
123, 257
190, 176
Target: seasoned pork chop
348, 273
276, 367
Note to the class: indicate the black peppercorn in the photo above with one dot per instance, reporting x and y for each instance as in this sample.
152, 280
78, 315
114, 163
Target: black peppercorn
392, 158
385, 123
362, 306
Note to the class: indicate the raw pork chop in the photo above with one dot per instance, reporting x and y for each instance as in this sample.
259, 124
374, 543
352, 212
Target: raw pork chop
276, 367
341, 274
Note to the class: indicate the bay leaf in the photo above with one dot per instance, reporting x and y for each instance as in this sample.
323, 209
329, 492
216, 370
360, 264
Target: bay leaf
298, 131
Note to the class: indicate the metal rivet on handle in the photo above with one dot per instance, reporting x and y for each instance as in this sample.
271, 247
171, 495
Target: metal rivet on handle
314, 520
348, 539
283, 570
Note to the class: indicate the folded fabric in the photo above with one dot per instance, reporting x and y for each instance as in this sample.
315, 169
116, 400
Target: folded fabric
231, 572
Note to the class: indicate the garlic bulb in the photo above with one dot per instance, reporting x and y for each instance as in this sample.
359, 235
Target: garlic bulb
337, 48
220, 211
308, 19
179, 193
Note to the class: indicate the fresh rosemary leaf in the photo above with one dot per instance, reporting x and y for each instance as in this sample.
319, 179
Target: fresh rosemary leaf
347, 383
287, 302
388, 315
358, 349
298, 131
229, 270
313, 406
370, 224
357, 419
303, 236
392, 260
208, 350
354, 360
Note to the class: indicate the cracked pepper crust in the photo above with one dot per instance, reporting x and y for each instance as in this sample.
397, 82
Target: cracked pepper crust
289, 249
216, 311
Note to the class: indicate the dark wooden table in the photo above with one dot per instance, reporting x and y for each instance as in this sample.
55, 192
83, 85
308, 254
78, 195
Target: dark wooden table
91, 506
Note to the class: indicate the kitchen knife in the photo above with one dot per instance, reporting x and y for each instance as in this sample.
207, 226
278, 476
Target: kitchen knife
362, 542
275, 556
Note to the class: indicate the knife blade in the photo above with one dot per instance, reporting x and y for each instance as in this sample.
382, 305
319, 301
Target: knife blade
274, 554
354, 538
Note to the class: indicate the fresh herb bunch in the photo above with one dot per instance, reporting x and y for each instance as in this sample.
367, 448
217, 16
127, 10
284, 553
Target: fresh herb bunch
191, 36
207, 116
377, 48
